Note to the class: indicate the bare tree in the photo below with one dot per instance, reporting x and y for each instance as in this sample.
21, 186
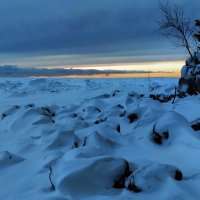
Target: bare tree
177, 27
197, 35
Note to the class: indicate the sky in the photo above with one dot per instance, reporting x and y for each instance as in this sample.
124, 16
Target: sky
69, 33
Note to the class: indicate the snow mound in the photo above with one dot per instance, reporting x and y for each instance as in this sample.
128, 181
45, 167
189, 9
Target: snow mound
151, 177
8, 159
171, 126
88, 176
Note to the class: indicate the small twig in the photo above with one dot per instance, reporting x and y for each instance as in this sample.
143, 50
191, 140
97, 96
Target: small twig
174, 95
53, 186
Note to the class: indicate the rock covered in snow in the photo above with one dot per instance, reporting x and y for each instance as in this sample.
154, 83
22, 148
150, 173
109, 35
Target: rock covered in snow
152, 176
189, 81
92, 176
187, 71
169, 127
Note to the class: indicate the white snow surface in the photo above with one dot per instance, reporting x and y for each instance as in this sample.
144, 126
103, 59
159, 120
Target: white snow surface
71, 139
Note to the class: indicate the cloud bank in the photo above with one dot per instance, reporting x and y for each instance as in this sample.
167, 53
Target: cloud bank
89, 27
13, 71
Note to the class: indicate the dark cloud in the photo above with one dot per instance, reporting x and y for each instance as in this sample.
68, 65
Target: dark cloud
78, 27
13, 71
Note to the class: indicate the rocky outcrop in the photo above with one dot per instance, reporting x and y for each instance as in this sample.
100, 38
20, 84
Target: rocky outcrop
190, 76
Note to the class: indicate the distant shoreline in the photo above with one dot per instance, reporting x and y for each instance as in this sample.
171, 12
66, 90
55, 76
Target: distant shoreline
89, 77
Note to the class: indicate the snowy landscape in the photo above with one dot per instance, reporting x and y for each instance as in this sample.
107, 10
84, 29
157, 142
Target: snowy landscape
99, 100
97, 139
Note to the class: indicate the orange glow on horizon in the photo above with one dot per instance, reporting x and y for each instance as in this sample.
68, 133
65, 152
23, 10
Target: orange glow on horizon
174, 66
148, 69
144, 75
155, 69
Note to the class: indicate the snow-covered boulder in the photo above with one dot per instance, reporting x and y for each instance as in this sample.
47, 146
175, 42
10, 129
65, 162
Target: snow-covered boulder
197, 69
83, 177
152, 176
188, 85
189, 81
187, 71
170, 127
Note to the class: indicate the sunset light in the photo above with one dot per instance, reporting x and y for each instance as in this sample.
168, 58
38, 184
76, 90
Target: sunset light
154, 69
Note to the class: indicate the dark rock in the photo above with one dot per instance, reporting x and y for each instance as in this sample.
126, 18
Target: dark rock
161, 97
158, 138
85, 141
196, 126
132, 117
132, 187
181, 95
122, 114
3, 115
74, 115
97, 109
48, 112
115, 92
153, 96
120, 106
119, 129
99, 121
120, 182
178, 175
166, 135
75, 145
192, 85
31, 105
